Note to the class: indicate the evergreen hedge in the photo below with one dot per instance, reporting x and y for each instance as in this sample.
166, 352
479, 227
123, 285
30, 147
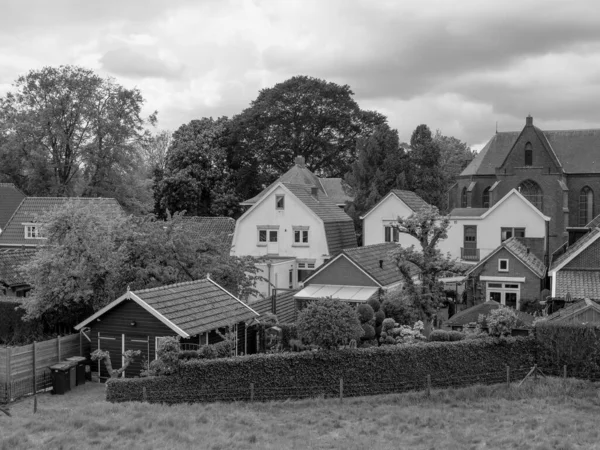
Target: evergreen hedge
376, 370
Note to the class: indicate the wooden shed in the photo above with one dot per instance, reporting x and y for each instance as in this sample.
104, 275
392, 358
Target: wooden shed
192, 310
582, 311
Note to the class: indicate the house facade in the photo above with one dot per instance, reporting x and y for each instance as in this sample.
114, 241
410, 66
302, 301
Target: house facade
293, 228
378, 221
474, 233
557, 171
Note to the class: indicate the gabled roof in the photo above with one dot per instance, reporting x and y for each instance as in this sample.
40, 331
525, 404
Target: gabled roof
368, 257
10, 199
285, 306
573, 309
470, 315
32, 207
10, 263
338, 191
519, 251
575, 150
409, 198
581, 244
578, 284
188, 308
221, 228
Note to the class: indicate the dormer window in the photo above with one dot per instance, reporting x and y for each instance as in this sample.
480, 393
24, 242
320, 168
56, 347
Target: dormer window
279, 202
32, 231
528, 154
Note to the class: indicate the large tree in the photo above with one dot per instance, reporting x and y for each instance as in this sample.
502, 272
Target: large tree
67, 131
304, 116
427, 178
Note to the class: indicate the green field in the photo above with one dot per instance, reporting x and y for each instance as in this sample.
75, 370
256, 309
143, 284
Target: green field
547, 415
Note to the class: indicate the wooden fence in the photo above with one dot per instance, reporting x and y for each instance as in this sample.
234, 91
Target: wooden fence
18, 364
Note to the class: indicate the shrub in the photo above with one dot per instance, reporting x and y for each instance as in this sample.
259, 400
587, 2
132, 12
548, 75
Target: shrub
501, 321
398, 305
328, 323
402, 334
289, 332
379, 317
439, 335
167, 353
374, 303
455, 336
365, 313
16, 331
531, 306
369, 332
388, 324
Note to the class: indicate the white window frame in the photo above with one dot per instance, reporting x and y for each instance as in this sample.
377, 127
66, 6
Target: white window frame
303, 233
32, 231
500, 261
267, 229
505, 289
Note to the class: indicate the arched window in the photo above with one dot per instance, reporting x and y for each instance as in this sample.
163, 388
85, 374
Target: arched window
486, 198
586, 206
532, 192
463, 198
528, 154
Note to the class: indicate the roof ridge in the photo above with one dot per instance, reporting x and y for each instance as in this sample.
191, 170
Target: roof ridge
167, 286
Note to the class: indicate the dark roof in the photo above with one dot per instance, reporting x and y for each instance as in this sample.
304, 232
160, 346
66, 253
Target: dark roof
10, 199
576, 150
412, 200
10, 263
337, 190
468, 212
573, 308
196, 306
582, 242
578, 283
531, 261
368, 257
470, 315
537, 246
31, 207
286, 306
339, 235
219, 227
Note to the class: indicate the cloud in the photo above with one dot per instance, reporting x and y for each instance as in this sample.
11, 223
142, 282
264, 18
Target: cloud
133, 64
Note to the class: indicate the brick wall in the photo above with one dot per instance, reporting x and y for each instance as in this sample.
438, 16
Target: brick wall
576, 183
588, 259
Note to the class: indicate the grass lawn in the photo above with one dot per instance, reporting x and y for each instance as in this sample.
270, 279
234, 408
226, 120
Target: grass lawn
534, 416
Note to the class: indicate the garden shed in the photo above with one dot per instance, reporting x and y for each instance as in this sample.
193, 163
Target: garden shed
137, 320
582, 311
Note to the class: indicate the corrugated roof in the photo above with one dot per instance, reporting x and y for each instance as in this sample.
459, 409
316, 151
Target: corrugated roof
578, 151
468, 212
578, 283
32, 207
221, 228
579, 244
10, 199
368, 257
573, 308
470, 315
196, 306
531, 261
10, 263
285, 306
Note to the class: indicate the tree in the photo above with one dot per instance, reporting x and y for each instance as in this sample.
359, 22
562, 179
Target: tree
426, 179
328, 323
428, 227
381, 165
303, 116
67, 131
197, 177
128, 358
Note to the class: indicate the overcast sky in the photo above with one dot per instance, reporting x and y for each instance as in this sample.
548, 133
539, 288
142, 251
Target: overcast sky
457, 65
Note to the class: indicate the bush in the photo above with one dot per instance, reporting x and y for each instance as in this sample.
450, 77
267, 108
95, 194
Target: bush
455, 336
398, 306
328, 323
374, 303
379, 317
439, 335
289, 332
14, 330
369, 332
365, 313
314, 373
501, 321
531, 306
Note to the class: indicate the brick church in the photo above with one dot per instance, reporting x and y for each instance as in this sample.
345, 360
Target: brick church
557, 171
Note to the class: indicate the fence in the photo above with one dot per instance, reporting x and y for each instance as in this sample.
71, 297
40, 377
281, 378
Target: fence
18, 365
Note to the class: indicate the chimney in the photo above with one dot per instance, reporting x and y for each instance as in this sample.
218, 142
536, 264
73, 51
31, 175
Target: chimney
529, 121
314, 191
300, 162
381, 263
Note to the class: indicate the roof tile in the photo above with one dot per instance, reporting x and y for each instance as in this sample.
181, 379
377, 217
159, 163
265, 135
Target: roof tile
368, 258
578, 284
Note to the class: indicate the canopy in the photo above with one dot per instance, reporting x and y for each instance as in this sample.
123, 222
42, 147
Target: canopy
345, 293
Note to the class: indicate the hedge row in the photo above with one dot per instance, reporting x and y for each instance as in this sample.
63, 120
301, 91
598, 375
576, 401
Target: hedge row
369, 371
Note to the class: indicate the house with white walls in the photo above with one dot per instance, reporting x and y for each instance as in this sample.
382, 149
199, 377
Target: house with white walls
474, 233
379, 220
294, 228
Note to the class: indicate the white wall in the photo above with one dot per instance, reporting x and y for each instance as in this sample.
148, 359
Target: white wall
513, 212
278, 275
386, 212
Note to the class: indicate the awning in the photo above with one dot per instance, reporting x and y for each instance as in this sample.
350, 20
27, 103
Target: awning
345, 293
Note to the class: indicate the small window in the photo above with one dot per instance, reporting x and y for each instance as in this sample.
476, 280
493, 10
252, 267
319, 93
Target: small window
279, 202
272, 235
392, 234
503, 265
32, 232
528, 154
486, 198
494, 285
463, 198
291, 279
262, 235
586, 206
300, 237
520, 232
506, 233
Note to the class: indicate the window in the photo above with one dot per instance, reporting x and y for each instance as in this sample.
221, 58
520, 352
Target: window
586, 206
485, 201
267, 234
528, 154
279, 201
507, 233
463, 198
532, 192
291, 279
300, 236
391, 234
503, 265
262, 236
272, 235
32, 232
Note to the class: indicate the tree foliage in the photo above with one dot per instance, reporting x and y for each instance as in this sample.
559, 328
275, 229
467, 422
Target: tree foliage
426, 179
328, 323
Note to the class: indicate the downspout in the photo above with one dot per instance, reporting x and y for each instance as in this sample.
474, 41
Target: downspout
547, 255
269, 278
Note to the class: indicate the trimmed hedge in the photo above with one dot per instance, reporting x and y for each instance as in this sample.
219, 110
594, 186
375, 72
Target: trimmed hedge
376, 370
445, 336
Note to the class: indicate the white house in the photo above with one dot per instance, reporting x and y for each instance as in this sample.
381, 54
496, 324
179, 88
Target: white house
295, 227
378, 221
476, 232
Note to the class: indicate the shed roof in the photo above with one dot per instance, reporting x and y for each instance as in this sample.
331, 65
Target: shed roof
10, 199
574, 249
572, 309
470, 315
285, 306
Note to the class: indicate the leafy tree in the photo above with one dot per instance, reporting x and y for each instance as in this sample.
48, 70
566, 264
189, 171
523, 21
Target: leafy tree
455, 156
66, 131
398, 306
427, 178
428, 227
501, 321
303, 116
328, 323
197, 177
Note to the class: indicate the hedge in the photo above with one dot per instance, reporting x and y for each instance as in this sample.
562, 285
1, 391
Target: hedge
376, 370
14, 330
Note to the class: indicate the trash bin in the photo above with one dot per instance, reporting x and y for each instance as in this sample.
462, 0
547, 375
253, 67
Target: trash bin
61, 378
72, 373
80, 369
